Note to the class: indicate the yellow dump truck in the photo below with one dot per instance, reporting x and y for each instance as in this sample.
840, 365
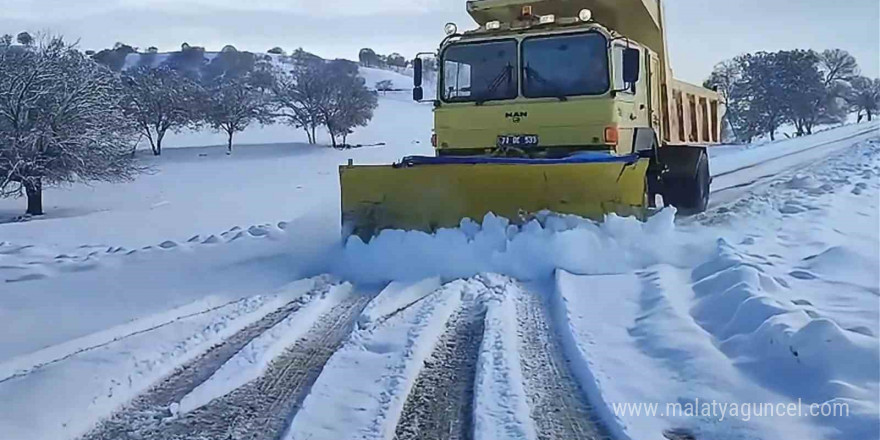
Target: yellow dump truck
561, 105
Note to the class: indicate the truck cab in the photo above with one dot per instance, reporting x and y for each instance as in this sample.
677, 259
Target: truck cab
542, 90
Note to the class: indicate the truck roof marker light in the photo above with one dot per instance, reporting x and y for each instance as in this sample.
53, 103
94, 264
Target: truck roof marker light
585, 15
493, 25
548, 19
450, 29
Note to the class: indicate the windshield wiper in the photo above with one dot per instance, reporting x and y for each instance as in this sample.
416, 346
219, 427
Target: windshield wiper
531, 73
500, 79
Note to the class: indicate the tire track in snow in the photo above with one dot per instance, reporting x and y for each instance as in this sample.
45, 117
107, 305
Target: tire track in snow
263, 408
143, 418
440, 404
559, 406
147, 411
363, 388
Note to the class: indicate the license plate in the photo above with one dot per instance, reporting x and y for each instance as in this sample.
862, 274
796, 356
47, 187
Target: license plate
519, 140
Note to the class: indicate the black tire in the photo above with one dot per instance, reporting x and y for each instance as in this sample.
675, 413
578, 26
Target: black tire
688, 188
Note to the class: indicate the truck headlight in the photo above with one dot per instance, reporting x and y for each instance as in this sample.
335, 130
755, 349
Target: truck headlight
450, 29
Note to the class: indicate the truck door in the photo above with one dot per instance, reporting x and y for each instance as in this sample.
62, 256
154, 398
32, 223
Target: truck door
655, 104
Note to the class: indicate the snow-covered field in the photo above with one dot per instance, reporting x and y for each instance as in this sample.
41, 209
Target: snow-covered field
214, 295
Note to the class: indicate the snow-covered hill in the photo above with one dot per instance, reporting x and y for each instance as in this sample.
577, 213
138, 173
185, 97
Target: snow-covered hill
398, 81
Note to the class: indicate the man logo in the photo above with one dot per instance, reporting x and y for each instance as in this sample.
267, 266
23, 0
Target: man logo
516, 117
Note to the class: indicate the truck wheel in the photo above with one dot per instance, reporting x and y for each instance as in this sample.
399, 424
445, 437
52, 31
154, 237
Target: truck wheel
682, 178
689, 191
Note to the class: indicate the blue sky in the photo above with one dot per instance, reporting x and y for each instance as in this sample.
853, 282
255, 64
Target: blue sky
701, 32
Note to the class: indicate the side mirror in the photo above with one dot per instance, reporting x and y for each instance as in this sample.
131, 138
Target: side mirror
418, 94
417, 72
631, 66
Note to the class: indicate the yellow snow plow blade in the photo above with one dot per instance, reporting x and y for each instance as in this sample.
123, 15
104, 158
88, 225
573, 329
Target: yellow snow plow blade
431, 196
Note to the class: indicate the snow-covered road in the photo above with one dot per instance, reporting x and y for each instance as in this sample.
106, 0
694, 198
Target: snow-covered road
737, 169
488, 331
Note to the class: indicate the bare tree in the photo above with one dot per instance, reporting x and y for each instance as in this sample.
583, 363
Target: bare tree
384, 86
234, 104
159, 100
61, 121
297, 95
837, 68
348, 102
396, 60
807, 99
726, 76
24, 38
368, 57
837, 65
865, 97
300, 91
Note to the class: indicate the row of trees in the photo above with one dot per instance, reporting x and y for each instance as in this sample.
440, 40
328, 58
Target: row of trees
68, 116
369, 58
764, 90
237, 89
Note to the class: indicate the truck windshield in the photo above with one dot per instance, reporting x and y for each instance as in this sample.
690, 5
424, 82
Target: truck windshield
560, 66
480, 72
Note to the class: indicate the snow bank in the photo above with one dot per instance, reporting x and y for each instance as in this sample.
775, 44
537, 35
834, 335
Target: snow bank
362, 389
501, 411
654, 353
253, 360
793, 351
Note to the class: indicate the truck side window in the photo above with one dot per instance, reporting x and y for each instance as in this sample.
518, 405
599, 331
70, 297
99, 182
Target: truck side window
617, 70
457, 79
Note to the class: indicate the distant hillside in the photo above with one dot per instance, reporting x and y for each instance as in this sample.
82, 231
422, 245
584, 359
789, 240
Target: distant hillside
196, 59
